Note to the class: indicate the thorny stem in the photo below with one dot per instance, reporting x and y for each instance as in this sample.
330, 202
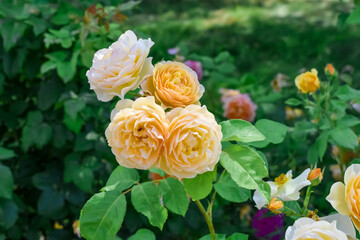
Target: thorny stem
207, 219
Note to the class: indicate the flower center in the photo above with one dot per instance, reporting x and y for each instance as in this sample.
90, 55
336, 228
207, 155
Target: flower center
282, 179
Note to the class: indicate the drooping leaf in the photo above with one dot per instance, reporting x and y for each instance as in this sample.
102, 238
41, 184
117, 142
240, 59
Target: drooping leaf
240, 130
102, 215
200, 186
146, 200
230, 191
174, 195
244, 165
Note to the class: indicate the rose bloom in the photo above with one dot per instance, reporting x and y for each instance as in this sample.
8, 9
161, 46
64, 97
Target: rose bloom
174, 84
331, 227
315, 174
196, 66
240, 107
284, 187
308, 81
137, 132
345, 197
193, 145
121, 67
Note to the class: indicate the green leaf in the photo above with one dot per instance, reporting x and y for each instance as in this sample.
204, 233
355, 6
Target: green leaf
48, 93
238, 236
346, 93
7, 182
354, 17
200, 186
274, 132
11, 32
312, 155
354, 161
245, 166
6, 153
218, 237
8, 213
158, 171
293, 102
265, 190
321, 144
348, 121
50, 202
146, 200
143, 234
43, 135
47, 66
174, 196
34, 118
230, 191
102, 216
83, 177
240, 130
122, 178
344, 137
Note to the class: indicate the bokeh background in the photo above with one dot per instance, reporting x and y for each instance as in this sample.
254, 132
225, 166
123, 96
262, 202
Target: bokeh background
53, 152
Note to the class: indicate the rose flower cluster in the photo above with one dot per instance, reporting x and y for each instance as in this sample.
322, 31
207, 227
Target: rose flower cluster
166, 127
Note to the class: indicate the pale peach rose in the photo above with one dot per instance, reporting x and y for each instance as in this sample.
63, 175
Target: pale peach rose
137, 132
331, 227
193, 145
121, 67
174, 84
308, 81
344, 197
238, 106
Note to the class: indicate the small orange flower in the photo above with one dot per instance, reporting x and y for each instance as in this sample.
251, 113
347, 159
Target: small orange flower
275, 204
329, 69
315, 173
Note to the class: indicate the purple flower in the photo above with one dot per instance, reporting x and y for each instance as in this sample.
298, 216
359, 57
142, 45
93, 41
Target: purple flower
267, 225
196, 66
173, 51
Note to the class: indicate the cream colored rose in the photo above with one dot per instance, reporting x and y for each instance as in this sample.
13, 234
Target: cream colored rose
121, 67
137, 132
307, 228
345, 198
193, 145
174, 85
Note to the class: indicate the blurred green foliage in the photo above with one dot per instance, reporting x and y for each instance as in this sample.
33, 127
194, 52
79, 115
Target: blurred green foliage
53, 155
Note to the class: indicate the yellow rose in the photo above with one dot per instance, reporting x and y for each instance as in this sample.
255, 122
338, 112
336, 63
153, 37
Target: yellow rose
345, 198
121, 67
174, 85
308, 81
137, 132
193, 145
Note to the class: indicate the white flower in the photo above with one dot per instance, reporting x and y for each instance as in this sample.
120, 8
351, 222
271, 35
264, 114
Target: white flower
328, 228
284, 187
121, 67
